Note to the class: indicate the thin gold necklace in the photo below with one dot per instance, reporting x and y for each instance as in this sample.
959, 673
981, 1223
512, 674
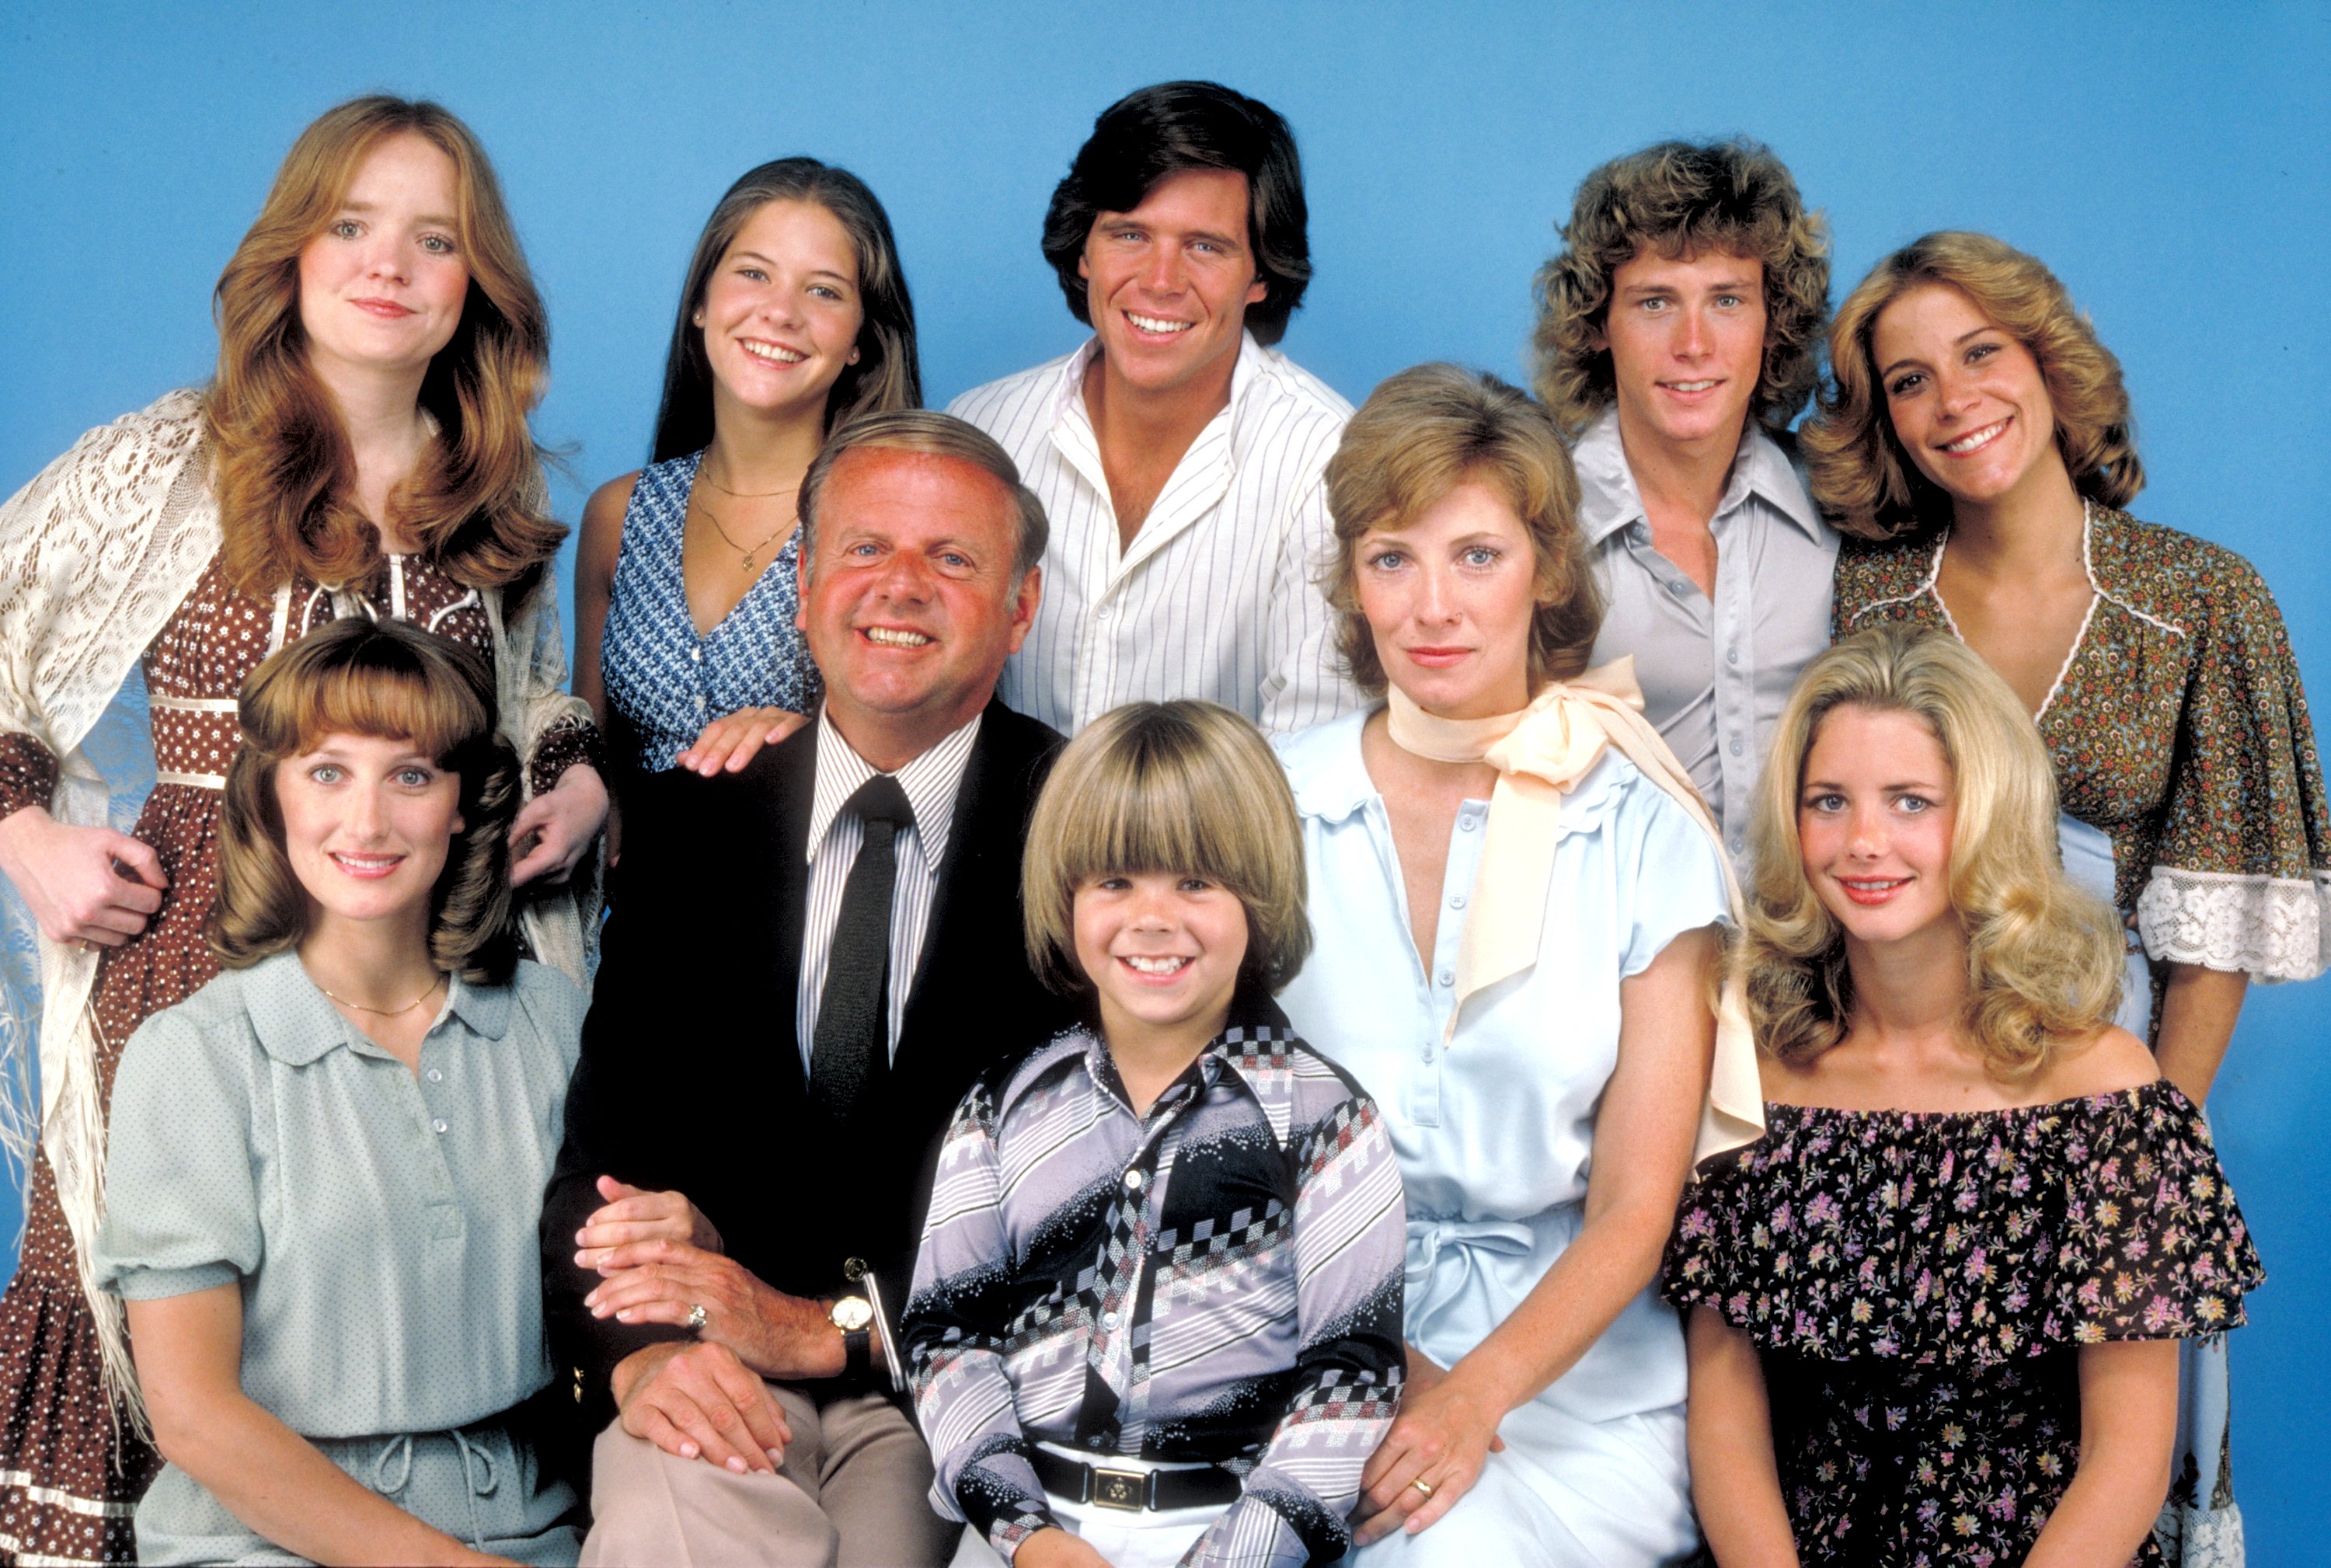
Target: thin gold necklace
744, 495
744, 555
383, 1011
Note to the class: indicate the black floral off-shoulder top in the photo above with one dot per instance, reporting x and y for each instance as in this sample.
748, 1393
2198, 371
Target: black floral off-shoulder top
1918, 1286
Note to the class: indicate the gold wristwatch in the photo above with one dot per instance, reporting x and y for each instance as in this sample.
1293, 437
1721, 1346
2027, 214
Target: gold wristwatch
854, 1316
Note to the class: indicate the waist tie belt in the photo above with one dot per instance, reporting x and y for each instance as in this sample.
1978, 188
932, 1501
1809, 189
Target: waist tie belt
212, 707
1445, 1256
479, 1475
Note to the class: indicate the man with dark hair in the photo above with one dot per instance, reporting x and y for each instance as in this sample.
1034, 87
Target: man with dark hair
1678, 332
1177, 454
810, 963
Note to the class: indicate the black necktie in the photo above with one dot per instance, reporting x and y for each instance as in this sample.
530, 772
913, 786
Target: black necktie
851, 1042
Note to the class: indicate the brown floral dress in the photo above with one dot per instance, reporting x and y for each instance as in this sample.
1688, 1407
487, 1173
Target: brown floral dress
1918, 1286
70, 1474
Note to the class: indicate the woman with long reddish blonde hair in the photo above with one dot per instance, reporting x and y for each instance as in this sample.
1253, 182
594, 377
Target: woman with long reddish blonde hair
362, 451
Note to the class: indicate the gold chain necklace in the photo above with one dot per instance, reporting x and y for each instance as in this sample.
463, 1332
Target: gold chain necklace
383, 1011
744, 555
743, 495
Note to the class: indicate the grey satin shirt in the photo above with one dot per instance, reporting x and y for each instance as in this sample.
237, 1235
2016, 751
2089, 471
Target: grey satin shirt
1714, 673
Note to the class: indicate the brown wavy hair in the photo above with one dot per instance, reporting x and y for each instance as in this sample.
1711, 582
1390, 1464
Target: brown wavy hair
1859, 470
358, 676
2043, 957
889, 374
1423, 432
1682, 199
284, 472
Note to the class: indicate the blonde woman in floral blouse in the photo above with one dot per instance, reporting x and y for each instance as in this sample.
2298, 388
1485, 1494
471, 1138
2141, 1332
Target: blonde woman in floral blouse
1976, 450
1933, 1311
362, 451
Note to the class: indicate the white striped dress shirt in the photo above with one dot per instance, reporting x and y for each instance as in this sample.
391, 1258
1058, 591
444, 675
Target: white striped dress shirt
1218, 596
931, 783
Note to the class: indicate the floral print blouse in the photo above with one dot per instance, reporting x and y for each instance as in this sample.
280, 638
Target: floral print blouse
1918, 1286
2178, 726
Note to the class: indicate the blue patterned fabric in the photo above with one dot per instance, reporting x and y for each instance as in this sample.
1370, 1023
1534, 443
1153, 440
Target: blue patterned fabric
665, 682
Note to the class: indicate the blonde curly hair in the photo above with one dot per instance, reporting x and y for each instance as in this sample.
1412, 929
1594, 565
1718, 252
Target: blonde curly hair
1857, 470
2043, 956
1682, 199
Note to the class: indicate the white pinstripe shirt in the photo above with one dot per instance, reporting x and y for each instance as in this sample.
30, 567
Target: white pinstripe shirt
1218, 595
931, 783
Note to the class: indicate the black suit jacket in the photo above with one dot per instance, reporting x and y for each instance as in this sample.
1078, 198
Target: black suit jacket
690, 1077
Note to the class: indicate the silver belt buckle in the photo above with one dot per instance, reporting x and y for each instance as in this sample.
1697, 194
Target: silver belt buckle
1123, 1490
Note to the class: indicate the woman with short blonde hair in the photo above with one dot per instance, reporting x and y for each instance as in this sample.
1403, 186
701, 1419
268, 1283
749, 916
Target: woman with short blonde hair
1516, 890
362, 451
1978, 448
1979, 1221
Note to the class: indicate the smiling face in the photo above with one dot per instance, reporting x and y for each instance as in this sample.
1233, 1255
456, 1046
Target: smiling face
381, 289
1687, 342
781, 311
1450, 600
1874, 819
1163, 951
367, 824
1167, 284
1967, 399
912, 603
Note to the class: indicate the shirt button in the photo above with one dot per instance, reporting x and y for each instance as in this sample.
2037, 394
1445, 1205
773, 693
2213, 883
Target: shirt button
1465, 823
1456, 900
1737, 846
436, 1076
1132, 1179
1735, 748
438, 1126
1732, 656
1108, 1320
1448, 977
1640, 533
1677, 588
696, 654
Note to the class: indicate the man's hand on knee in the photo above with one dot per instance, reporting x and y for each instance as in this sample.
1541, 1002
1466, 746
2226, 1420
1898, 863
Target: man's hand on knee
700, 1402
676, 1285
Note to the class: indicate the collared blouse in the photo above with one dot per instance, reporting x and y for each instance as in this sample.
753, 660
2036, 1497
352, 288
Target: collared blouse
2179, 727
1216, 1281
1495, 1131
380, 1222
1218, 594
1714, 673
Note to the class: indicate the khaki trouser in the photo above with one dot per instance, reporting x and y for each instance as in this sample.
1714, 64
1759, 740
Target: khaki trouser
853, 1492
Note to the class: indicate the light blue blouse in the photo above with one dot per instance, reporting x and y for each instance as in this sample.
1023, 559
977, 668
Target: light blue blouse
381, 1224
1495, 1134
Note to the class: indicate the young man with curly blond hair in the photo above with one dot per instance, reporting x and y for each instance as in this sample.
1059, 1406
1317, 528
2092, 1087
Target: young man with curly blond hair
1679, 332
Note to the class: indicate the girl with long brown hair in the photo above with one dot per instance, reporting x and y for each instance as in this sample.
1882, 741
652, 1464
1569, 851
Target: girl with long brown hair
794, 318
362, 451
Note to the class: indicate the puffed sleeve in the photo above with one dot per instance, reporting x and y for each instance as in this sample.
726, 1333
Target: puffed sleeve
1669, 872
2241, 880
181, 1200
2154, 1246
28, 774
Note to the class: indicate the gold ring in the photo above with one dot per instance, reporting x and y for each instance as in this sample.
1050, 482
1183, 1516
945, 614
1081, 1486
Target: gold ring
1423, 1485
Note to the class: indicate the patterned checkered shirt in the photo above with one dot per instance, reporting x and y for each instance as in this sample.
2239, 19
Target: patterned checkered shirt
1216, 1281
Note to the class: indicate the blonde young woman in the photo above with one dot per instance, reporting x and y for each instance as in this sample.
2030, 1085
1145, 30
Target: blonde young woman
1933, 1311
1977, 446
362, 451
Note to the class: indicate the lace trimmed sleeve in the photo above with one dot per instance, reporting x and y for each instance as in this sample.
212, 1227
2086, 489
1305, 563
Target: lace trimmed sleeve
2241, 880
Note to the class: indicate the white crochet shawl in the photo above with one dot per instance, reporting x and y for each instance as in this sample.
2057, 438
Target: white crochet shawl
96, 555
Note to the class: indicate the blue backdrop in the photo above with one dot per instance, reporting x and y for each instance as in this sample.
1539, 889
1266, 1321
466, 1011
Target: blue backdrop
2168, 162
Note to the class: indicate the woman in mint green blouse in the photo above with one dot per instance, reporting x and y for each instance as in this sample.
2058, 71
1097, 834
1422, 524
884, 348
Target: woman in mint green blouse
328, 1163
